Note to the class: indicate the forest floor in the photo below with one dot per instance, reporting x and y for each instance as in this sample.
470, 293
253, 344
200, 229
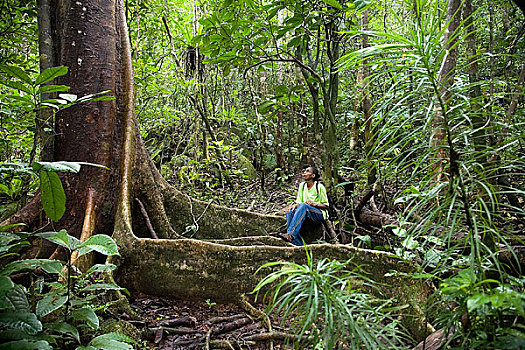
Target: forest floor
182, 324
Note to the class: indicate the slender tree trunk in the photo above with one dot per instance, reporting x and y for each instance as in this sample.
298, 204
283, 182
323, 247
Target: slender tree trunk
330, 151
479, 136
364, 100
44, 120
444, 82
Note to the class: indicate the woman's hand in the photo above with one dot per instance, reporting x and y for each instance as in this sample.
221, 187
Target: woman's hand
292, 207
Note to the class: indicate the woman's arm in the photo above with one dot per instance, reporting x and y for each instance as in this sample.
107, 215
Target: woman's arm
317, 205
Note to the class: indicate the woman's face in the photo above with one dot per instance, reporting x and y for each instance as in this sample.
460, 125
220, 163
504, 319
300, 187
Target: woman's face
308, 174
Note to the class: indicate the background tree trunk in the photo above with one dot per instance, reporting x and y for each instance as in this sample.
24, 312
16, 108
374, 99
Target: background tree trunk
445, 80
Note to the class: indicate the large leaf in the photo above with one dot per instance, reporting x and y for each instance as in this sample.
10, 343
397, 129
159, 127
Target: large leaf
87, 315
7, 227
61, 238
65, 328
101, 268
5, 284
16, 299
63, 166
73, 167
17, 86
49, 303
25, 344
26, 321
53, 196
101, 286
333, 3
50, 74
49, 266
113, 341
52, 88
100, 243
17, 73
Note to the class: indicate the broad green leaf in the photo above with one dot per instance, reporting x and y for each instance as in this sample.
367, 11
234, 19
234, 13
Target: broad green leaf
73, 167
5, 284
101, 268
26, 321
63, 327
17, 86
63, 166
49, 266
53, 196
104, 98
101, 286
50, 74
16, 72
45, 89
49, 303
16, 299
7, 227
87, 315
114, 341
265, 106
100, 243
25, 344
61, 238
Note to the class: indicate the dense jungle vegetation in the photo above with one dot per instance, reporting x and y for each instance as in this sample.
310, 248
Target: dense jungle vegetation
412, 109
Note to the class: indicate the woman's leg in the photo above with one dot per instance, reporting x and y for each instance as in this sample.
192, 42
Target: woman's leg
289, 217
302, 212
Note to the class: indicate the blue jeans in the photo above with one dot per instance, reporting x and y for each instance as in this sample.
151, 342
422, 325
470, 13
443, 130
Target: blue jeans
296, 217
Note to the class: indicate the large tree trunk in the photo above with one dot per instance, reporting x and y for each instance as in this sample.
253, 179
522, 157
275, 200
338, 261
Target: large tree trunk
132, 199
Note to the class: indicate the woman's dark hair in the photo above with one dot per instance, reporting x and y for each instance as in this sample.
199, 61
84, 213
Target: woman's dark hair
317, 176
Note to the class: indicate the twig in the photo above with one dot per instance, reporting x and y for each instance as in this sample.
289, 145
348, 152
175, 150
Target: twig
172, 330
208, 336
146, 218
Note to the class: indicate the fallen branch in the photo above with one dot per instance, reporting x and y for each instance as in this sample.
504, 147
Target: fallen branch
281, 336
172, 330
231, 326
214, 320
363, 201
187, 321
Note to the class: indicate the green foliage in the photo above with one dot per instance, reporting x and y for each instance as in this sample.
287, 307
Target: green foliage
330, 305
491, 312
53, 314
52, 193
455, 213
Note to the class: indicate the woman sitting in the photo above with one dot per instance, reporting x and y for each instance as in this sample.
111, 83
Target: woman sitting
311, 203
